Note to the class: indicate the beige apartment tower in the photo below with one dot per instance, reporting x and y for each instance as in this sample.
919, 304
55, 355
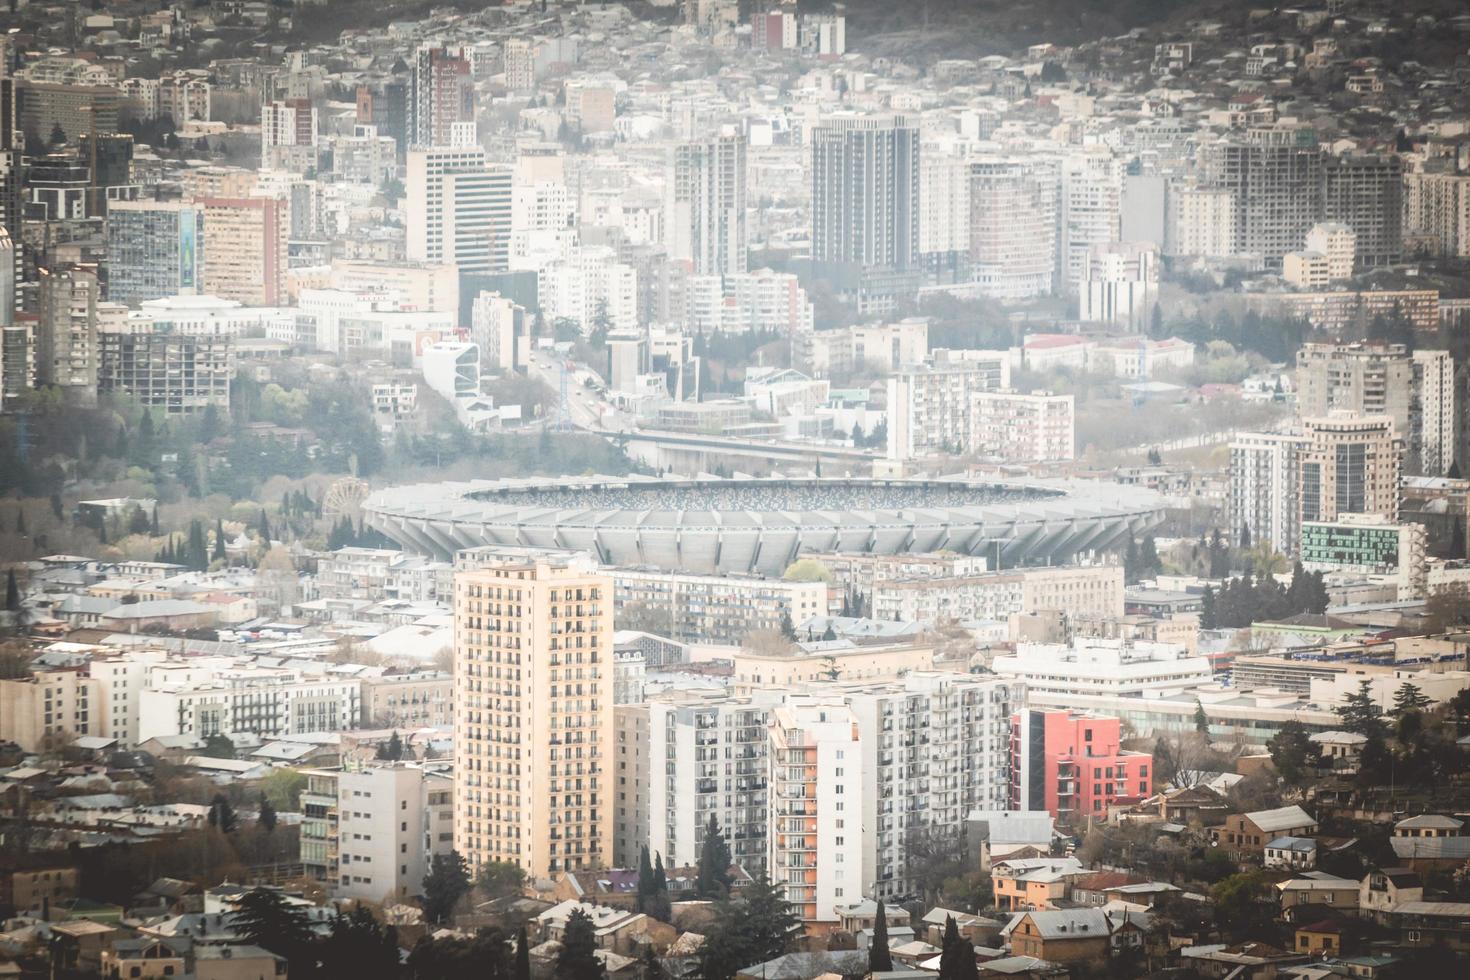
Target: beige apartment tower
533, 713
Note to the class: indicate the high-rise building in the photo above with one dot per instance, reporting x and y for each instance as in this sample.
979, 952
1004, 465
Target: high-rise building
520, 64
1023, 427
371, 833
865, 196
442, 99
245, 259
533, 713
1351, 464
154, 250
1072, 766
502, 329
1089, 210
179, 373
1275, 177
1013, 227
706, 204
707, 756
944, 218
1264, 468
1437, 211
1366, 193
458, 209
1200, 221
288, 130
1416, 391
12, 141
1120, 284
384, 106
66, 334
46, 110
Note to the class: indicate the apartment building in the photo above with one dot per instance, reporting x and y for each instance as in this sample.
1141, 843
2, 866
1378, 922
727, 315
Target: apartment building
1080, 590
383, 573
1437, 211
1022, 427
707, 755
631, 782
225, 698
1370, 544
1013, 227
861, 572
50, 703
245, 257
1337, 310
1351, 464
818, 788
1072, 766
369, 834
865, 193
706, 203
713, 608
66, 334
422, 699
1088, 210
934, 408
533, 710
1264, 468
1119, 284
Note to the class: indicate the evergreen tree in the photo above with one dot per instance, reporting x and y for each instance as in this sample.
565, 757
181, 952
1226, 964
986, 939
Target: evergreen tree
1201, 720
957, 958
267, 814
20, 521
445, 884
264, 527
153, 523
1293, 752
222, 815
788, 629
1130, 562
219, 539
757, 928
265, 917
1409, 698
659, 905
645, 879
1360, 713
391, 750
523, 956
12, 592
577, 959
1148, 556
360, 947
879, 958
1245, 537
714, 862
1207, 615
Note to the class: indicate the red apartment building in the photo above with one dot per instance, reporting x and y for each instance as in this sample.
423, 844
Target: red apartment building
1072, 766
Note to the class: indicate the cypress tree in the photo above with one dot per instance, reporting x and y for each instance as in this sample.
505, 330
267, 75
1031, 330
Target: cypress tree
879, 958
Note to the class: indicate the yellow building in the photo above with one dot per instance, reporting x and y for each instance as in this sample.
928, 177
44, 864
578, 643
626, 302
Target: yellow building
533, 713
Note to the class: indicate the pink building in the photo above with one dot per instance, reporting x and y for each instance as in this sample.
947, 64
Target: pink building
1072, 766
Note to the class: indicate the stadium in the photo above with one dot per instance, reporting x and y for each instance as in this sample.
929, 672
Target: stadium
759, 526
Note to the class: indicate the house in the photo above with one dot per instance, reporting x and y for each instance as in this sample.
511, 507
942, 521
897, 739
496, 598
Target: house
1001, 834
807, 966
1023, 967
1382, 889
864, 915
977, 929
1246, 961
1246, 834
617, 930
1321, 938
1142, 893
1033, 883
30, 889
1431, 853
1060, 936
1422, 924
1191, 805
1429, 825
1292, 853
1340, 750
1091, 889
912, 953
1317, 888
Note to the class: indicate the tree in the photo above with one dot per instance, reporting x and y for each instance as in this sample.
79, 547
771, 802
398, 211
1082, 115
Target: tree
500, 879
219, 747
219, 540
445, 884
267, 814
360, 947
391, 750
1360, 713
1245, 537
957, 958
267, 918
1201, 720
1294, 753
754, 929
12, 592
788, 629
645, 879
714, 862
1207, 616
1409, 698
879, 958
659, 905
523, 956
577, 959
222, 815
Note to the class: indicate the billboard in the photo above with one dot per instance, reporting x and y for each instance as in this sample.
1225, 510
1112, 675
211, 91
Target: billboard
188, 251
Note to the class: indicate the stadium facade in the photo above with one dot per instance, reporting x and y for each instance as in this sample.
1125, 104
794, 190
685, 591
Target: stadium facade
759, 526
